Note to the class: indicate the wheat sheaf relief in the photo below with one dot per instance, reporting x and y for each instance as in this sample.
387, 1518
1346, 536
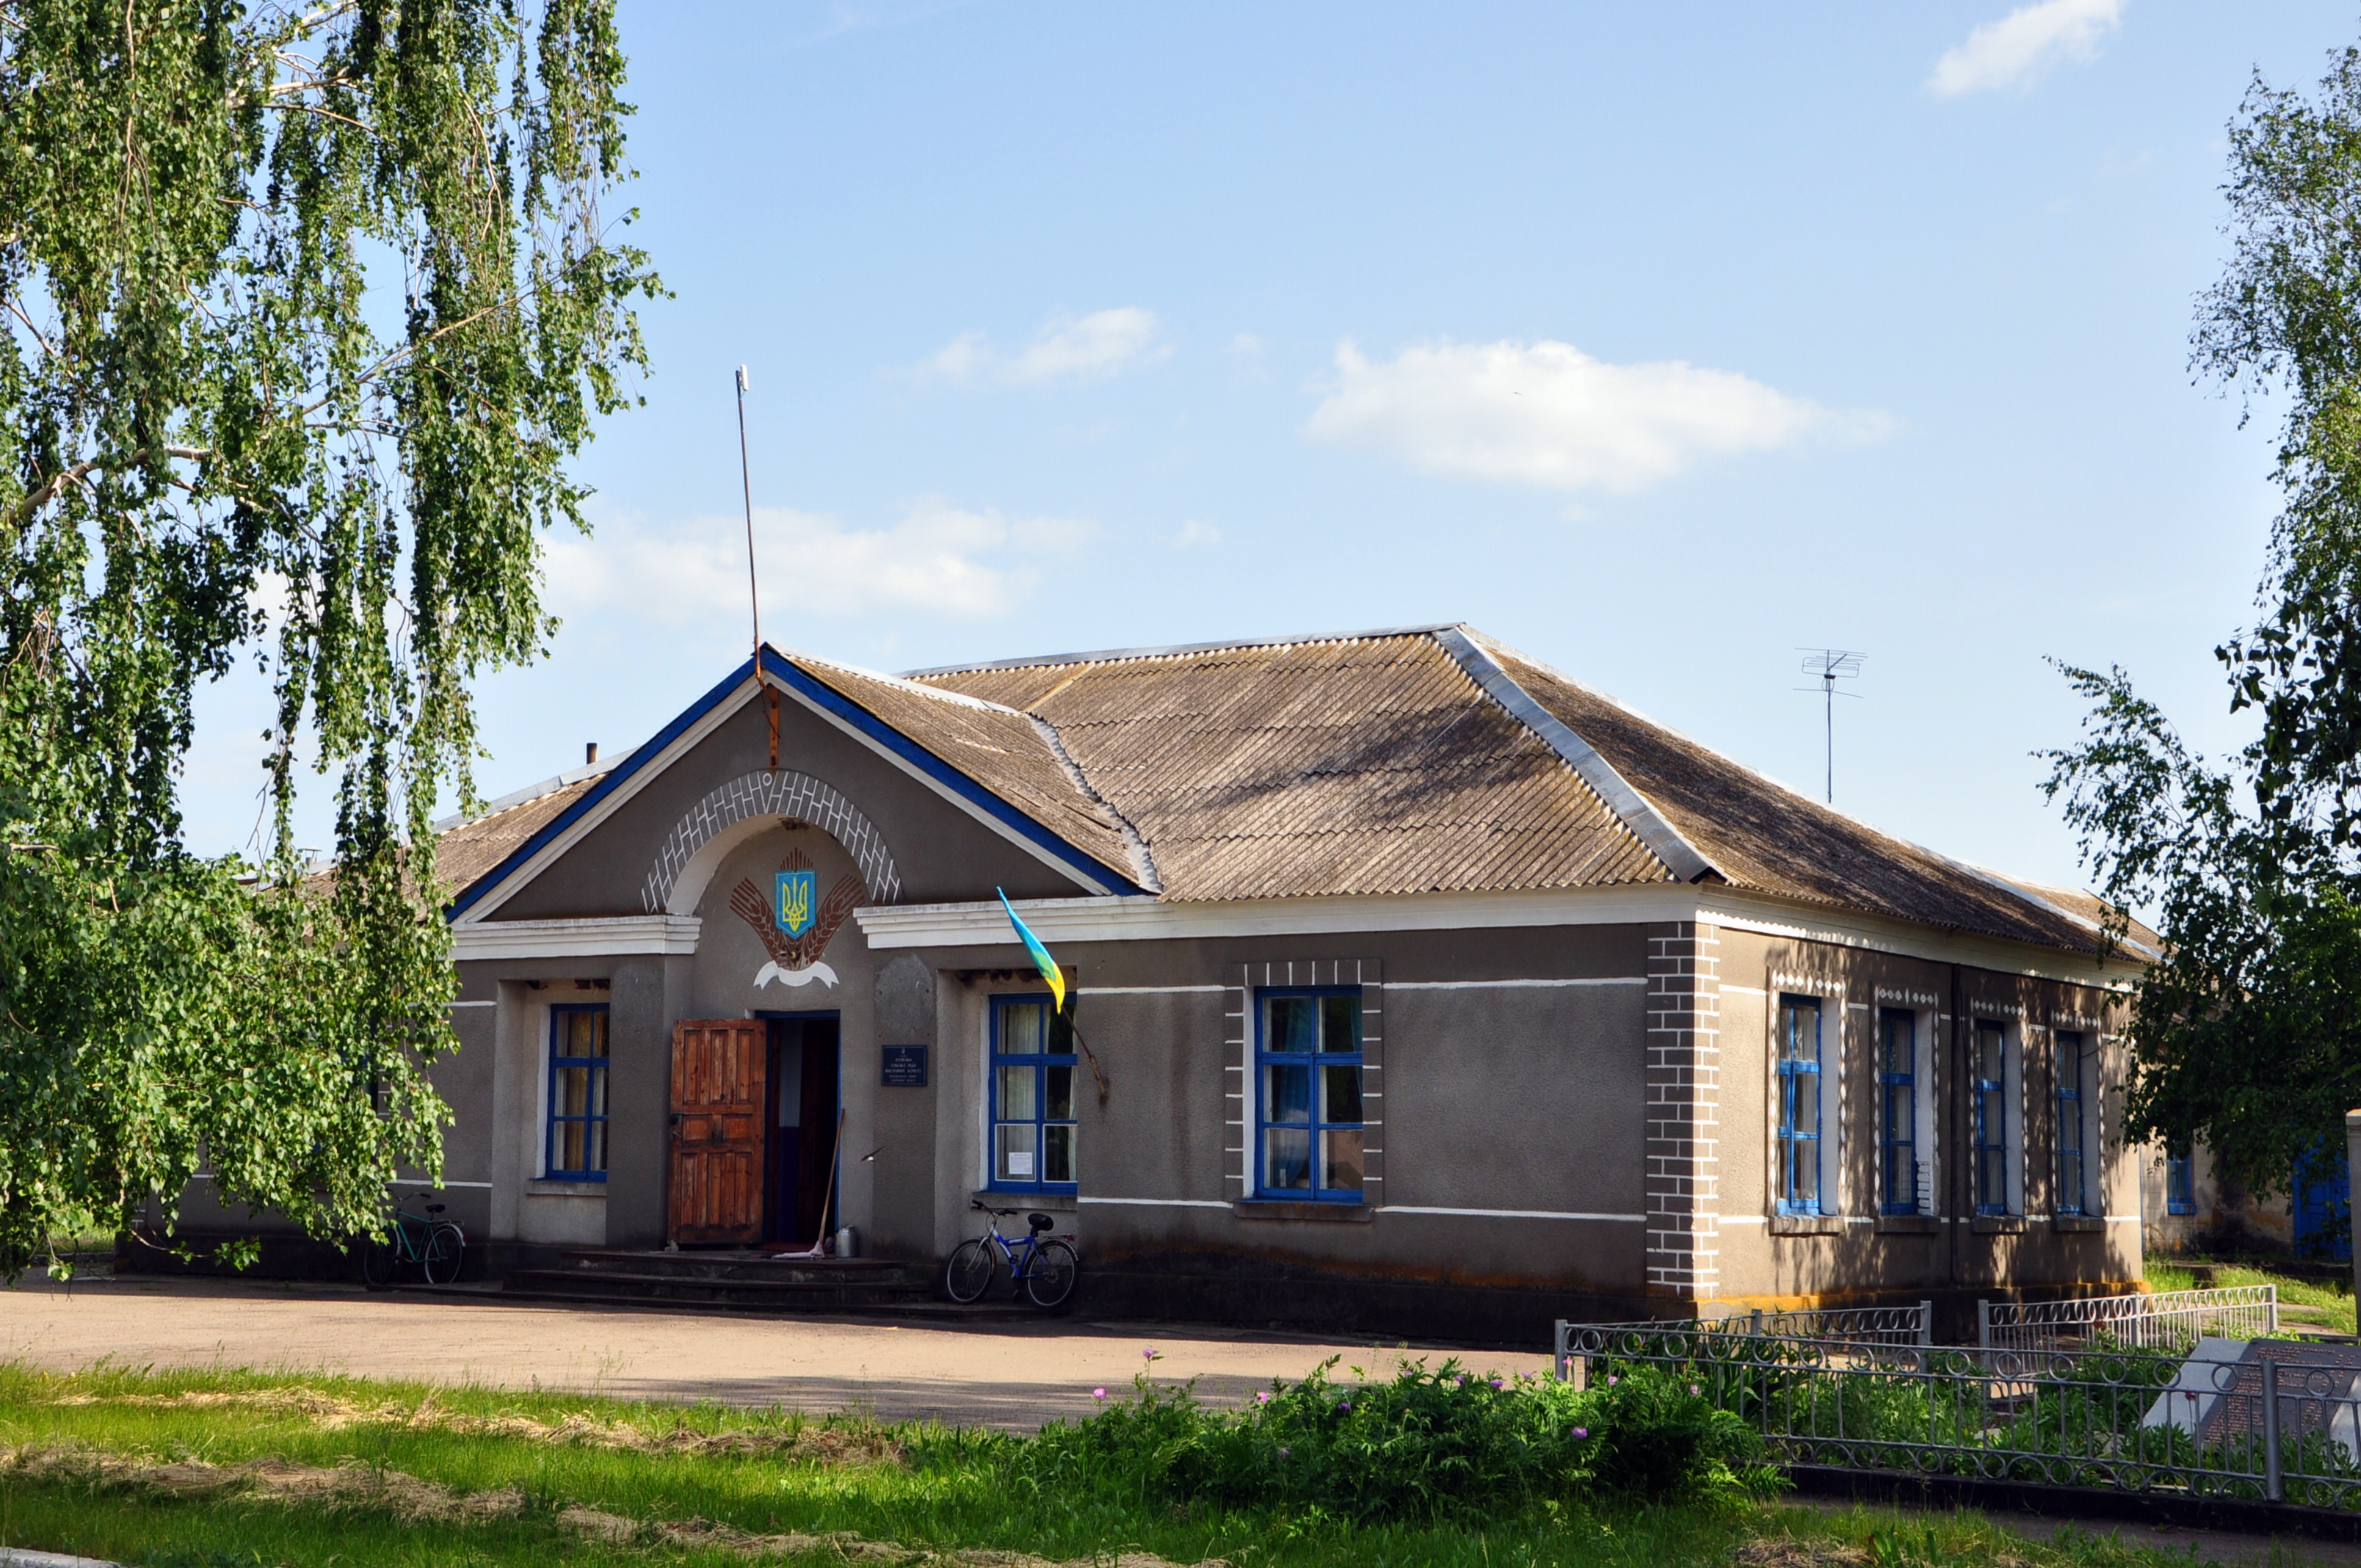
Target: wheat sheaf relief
796, 960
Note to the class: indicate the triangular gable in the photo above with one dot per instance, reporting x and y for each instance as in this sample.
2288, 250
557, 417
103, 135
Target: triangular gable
727, 697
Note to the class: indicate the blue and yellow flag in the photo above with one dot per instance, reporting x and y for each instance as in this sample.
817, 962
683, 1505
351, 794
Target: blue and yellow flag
1042, 958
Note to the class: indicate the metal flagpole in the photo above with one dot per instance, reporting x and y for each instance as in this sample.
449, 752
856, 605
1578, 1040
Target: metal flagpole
754, 595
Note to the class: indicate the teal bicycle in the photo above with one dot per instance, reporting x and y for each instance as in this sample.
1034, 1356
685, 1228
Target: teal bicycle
434, 1246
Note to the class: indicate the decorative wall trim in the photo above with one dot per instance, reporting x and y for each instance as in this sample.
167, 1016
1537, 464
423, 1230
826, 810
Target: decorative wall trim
1239, 984
783, 794
1142, 919
615, 937
1684, 1109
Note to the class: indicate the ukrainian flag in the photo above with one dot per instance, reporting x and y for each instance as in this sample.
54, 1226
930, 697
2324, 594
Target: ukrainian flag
1042, 958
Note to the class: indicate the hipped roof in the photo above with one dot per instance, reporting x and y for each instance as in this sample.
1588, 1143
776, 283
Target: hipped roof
1425, 760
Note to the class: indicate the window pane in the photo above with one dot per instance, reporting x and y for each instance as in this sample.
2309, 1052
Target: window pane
2071, 1182
572, 1092
1898, 1113
1800, 1029
1992, 1107
598, 1091
1287, 1094
1057, 1154
1024, 1028
1340, 1160
1992, 1181
1898, 1032
568, 1154
1990, 1051
1805, 1185
595, 1152
1803, 1104
1289, 1024
1287, 1159
586, 1034
1340, 1022
1015, 1148
1058, 1094
1340, 1094
1899, 1193
1016, 1096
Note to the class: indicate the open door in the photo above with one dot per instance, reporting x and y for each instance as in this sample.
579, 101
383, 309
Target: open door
718, 1130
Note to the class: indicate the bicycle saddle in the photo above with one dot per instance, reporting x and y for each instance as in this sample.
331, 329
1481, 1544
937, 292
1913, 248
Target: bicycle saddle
1040, 1222
435, 1207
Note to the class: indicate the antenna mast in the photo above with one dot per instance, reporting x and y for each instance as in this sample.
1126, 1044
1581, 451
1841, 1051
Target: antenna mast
754, 595
1832, 666
746, 481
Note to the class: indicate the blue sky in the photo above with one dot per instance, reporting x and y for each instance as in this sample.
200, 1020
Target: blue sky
1653, 341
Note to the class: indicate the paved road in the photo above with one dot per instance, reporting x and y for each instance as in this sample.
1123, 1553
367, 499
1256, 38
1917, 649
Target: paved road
1012, 1373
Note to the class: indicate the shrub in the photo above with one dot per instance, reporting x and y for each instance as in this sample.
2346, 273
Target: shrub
1428, 1443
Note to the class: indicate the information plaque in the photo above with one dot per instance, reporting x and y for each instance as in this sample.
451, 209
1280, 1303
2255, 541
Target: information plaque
905, 1067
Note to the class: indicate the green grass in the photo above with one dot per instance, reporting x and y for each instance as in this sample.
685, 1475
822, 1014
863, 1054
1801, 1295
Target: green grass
944, 1490
2303, 1303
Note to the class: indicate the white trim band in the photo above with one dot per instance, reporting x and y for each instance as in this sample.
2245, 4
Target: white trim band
1508, 984
1511, 1213
1161, 1203
609, 936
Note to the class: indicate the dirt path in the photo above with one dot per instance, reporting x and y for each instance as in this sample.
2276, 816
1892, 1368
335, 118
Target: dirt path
1013, 1374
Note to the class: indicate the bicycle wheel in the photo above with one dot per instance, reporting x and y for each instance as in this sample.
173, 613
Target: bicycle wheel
445, 1244
376, 1262
1050, 1280
971, 1271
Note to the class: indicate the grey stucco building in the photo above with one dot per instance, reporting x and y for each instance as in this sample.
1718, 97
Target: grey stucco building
1423, 989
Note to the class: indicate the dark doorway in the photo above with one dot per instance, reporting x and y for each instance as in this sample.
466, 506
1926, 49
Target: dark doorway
803, 1126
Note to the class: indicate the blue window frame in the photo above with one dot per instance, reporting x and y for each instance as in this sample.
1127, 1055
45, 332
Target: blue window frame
1898, 1078
2068, 1055
1032, 1099
2180, 1188
1991, 1117
1799, 1105
577, 1093
1308, 1137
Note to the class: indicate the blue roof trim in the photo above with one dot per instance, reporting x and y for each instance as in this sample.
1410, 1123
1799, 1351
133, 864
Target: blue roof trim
1089, 866
646, 752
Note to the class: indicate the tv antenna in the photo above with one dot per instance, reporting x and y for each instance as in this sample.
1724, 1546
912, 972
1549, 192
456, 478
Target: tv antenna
753, 596
1832, 666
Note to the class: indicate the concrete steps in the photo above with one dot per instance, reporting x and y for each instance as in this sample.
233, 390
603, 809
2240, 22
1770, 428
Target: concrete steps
744, 1280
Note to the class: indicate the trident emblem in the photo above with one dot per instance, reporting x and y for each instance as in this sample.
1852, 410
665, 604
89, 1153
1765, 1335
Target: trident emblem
795, 895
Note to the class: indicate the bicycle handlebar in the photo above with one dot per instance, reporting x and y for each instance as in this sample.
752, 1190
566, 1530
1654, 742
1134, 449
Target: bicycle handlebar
979, 1205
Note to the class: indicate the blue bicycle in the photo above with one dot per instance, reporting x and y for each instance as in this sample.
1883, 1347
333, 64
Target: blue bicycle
1046, 1270
434, 1246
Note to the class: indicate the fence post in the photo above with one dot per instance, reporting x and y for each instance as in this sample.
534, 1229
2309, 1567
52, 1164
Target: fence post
1557, 1352
1983, 1325
1754, 1321
2275, 1307
1925, 1322
2271, 1488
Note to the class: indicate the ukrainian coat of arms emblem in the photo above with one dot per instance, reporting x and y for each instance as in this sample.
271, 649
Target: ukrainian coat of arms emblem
797, 925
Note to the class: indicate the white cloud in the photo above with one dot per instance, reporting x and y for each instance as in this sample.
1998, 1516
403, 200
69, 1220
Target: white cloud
2015, 51
939, 559
1085, 348
1548, 414
1194, 534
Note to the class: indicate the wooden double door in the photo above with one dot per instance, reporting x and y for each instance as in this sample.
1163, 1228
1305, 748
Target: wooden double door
753, 1129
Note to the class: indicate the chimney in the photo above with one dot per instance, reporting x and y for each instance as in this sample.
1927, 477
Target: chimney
589, 753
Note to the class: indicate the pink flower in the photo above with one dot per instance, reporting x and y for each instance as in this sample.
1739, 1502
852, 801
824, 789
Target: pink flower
1582, 1432
1149, 1355
1496, 1382
1098, 1393
1612, 1381
1262, 1396
1283, 1453
1693, 1387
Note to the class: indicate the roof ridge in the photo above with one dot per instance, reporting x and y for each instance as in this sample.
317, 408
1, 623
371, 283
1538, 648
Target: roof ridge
1638, 813
530, 794
914, 687
1111, 655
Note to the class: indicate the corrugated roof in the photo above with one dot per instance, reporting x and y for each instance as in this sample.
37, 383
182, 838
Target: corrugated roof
1350, 765
1375, 763
466, 852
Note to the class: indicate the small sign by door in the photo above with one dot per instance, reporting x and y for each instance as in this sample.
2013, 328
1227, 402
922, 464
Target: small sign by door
905, 1067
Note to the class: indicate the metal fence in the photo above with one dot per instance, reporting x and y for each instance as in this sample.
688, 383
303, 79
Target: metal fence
2169, 1319
2266, 1421
1836, 1326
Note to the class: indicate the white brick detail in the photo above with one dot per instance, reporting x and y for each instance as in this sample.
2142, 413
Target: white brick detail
781, 794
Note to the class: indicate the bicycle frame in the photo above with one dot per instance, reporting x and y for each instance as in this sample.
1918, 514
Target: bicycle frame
1029, 1245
